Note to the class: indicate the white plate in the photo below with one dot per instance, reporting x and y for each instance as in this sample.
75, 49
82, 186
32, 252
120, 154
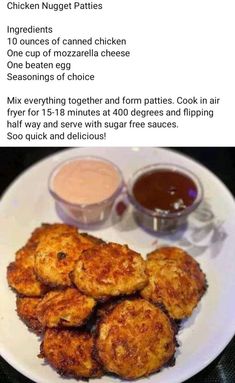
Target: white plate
209, 237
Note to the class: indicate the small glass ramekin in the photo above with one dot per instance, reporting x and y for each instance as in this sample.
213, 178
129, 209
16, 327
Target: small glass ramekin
161, 220
86, 214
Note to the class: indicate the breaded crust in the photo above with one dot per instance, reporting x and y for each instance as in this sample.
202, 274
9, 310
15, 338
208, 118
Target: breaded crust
21, 275
45, 231
26, 254
27, 310
70, 353
135, 339
109, 270
175, 281
65, 308
54, 229
56, 256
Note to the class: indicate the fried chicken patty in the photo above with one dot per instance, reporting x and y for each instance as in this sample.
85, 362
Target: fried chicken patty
70, 353
26, 254
175, 281
21, 275
51, 229
109, 270
65, 308
135, 339
56, 255
27, 310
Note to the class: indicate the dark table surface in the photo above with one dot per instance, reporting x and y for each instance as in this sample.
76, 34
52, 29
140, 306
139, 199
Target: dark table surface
220, 161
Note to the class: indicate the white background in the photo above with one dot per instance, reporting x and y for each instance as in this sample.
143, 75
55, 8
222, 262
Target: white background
178, 48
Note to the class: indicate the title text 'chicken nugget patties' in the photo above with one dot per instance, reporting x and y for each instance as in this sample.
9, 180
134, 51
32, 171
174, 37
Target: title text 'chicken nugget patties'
109, 270
70, 353
135, 339
65, 308
175, 281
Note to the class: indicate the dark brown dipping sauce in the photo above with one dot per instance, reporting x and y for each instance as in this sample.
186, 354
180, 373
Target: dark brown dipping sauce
165, 190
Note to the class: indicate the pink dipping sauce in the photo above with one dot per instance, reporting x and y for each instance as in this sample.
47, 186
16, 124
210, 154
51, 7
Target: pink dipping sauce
86, 181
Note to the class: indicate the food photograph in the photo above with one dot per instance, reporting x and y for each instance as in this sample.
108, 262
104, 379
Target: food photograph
117, 264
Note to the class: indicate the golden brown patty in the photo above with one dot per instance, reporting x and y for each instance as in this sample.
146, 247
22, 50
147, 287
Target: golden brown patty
54, 229
27, 311
175, 280
65, 308
109, 270
70, 353
135, 339
21, 275
26, 254
47, 231
56, 256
